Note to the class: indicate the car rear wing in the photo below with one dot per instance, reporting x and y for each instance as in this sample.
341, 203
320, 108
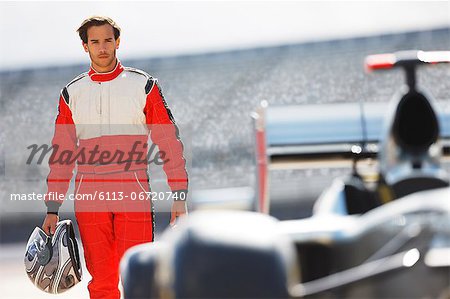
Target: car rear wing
405, 59
305, 135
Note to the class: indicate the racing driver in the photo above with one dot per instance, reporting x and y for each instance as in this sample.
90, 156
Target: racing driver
109, 112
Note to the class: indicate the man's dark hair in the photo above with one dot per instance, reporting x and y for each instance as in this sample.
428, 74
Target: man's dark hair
97, 21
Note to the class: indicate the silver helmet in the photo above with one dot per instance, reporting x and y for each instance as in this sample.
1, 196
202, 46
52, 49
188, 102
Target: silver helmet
53, 262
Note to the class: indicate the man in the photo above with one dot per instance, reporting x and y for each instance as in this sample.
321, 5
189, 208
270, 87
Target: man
105, 116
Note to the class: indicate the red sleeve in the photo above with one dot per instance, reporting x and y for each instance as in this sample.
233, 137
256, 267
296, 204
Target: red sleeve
62, 159
164, 133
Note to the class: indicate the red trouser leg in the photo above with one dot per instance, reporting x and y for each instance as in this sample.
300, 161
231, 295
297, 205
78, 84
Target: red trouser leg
134, 223
131, 229
109, 228
100, 253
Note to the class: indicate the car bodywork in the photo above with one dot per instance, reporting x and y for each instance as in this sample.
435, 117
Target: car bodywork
372, 235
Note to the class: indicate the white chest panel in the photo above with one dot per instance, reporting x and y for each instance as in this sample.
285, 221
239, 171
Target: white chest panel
113, 107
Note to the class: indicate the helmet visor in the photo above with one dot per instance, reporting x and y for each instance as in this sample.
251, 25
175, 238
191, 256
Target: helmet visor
37, 244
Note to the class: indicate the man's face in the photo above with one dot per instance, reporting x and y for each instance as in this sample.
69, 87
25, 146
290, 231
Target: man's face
101, 47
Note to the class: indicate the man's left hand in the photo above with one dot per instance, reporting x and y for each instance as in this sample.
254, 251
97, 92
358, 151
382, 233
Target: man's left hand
178, 209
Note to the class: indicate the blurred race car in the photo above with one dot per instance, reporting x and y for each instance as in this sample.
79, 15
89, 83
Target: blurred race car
382, 234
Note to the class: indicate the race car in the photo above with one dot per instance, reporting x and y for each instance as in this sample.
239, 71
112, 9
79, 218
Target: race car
381, 232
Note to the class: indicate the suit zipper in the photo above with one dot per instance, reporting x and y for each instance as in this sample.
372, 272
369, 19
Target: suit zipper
101, 98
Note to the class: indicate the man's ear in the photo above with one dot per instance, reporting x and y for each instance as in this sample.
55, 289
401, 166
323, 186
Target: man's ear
117, 42
85, 47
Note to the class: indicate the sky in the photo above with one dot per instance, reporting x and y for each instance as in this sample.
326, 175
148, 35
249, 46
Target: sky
39, 33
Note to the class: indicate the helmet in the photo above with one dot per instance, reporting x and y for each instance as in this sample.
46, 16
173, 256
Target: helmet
53, 262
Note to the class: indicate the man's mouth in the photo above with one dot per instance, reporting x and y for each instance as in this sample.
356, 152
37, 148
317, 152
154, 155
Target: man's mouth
103, 56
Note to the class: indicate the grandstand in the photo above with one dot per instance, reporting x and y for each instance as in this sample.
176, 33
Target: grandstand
211, 96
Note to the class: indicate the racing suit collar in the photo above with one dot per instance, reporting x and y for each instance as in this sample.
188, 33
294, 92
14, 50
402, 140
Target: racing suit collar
102, 77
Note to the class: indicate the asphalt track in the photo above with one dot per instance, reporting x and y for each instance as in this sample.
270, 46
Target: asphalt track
15, 284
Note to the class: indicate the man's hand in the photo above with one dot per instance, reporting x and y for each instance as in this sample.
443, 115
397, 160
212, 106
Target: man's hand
49, 224
178, 209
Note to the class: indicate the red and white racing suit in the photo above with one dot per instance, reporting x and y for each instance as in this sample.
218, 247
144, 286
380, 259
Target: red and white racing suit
102, 115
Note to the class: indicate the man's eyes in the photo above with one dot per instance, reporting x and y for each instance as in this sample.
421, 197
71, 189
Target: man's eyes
96, 41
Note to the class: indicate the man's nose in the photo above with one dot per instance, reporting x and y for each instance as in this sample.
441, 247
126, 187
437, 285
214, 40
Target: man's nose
102, 48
